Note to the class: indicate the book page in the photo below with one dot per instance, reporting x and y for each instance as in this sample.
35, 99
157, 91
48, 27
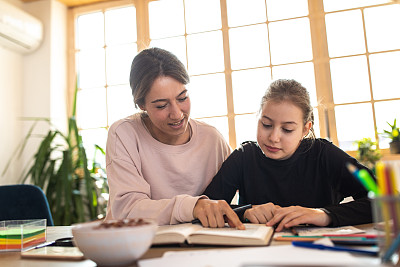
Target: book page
252, 230
177, 233
255, 234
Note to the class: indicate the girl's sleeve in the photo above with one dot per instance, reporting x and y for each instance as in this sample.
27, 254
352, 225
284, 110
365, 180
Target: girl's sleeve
354, 212
130, 194
227, 181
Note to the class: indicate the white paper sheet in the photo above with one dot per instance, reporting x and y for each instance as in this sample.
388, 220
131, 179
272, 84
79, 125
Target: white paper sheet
273, 255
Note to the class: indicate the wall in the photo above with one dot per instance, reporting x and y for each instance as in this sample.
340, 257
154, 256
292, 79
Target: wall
32, 85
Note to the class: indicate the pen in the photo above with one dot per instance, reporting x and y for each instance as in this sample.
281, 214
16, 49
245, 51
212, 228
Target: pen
45, 244
336, 248
236, 210
364, 177
294, 231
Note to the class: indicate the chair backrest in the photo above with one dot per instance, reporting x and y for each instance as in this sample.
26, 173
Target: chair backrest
24, 202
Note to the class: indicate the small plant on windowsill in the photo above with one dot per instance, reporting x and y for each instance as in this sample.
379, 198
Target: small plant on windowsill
367, 154
394, 136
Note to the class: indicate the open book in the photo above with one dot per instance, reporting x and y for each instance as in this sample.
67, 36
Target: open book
254, 235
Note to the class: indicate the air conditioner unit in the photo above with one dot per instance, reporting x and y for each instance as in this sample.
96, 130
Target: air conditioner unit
19, 31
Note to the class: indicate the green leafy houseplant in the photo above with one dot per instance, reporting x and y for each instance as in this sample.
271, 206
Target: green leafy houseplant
61, 168
367, 153
394, 136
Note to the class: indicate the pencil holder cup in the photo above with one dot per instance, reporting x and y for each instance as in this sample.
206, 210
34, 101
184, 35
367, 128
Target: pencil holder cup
386, 215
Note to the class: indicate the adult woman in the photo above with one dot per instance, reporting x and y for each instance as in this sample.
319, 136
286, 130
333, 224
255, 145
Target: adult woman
160, 160
289, 176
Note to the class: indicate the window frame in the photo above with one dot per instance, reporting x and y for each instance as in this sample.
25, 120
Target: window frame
321, 62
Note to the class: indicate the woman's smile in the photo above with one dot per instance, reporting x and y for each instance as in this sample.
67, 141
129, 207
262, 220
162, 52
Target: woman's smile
178, 124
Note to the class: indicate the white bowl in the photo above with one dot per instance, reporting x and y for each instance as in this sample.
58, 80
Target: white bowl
114, 245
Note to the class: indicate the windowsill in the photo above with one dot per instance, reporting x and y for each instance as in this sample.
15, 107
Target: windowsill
386, 155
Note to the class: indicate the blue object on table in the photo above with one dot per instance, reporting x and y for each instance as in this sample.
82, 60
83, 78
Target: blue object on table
336, 248
24, 202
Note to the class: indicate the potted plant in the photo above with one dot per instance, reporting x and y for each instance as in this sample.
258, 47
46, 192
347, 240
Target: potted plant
394, 135
74, 188
367, 153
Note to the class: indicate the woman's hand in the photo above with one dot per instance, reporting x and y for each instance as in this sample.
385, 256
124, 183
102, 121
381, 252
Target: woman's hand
214, 213
261, 213
294, 215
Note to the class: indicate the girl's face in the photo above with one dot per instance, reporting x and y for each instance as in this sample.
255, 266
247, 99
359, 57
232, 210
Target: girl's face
168, 107
281, 129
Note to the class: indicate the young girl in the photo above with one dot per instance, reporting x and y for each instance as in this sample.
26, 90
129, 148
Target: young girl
159, 160
289, 176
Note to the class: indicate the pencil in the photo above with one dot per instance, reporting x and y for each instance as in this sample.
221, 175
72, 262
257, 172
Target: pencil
383, 202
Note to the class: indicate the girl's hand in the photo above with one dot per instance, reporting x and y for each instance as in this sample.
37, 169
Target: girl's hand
294, 215
214, 213
261, 213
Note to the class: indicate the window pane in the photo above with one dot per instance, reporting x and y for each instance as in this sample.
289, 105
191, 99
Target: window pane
250, 12
91, 108
255, 56
384, 74
248, 88
350, 81
333, 5
91, 138
175, 45
246, 128
91, 68
221, 123
205, 52
90, 32
121, 25
120, 103
354, 122
301, 72
345, 26
196, 11
290, 41
386, 112
208, 95
166, 18
278, 9
382, 27
119, 60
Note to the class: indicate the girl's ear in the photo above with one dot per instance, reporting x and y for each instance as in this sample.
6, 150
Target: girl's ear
142, 107
307, 128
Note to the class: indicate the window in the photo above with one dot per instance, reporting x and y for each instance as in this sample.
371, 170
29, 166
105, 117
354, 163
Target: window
346, 53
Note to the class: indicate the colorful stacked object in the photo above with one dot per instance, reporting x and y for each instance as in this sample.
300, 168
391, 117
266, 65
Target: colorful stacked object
20, 235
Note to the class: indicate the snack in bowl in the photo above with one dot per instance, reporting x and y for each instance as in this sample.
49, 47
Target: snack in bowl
116, 242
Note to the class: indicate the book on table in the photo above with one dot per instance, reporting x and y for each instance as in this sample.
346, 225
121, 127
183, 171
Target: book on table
253, 235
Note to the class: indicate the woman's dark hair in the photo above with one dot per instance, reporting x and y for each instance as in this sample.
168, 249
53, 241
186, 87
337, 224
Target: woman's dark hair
150, 64
291, 90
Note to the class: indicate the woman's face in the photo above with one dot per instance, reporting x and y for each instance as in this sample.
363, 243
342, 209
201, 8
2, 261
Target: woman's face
168, 107
280, 129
